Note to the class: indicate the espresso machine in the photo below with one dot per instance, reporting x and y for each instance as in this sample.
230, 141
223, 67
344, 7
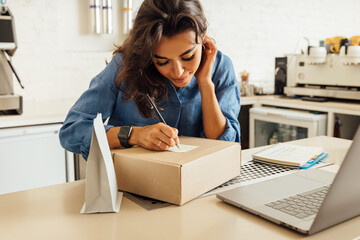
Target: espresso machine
321, 73
10, 103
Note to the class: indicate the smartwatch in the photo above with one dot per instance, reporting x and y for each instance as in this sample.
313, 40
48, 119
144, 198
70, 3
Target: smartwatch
124, 135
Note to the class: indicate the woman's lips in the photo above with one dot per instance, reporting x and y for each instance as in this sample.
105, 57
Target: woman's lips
179, 80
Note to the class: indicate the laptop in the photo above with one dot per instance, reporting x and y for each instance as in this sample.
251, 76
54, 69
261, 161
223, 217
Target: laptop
307, 201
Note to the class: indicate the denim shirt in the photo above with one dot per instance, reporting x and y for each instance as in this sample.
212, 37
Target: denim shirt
182, 109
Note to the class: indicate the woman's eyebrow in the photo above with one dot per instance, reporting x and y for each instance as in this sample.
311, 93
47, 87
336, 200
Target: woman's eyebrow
189, 50
184, 53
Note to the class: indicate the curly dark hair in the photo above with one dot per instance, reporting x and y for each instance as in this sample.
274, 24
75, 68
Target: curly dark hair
155, 18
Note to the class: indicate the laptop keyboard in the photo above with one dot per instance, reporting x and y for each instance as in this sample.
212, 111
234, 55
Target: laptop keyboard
304, 206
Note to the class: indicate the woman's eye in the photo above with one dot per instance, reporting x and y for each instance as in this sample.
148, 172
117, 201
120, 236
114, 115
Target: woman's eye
189, 59
162, 63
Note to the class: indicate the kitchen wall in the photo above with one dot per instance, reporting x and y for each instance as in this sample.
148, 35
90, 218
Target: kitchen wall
58, 54
254, 32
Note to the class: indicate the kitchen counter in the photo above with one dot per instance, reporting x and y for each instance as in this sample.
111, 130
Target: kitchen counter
343, 107
55, 111
38, 113
54, 213
330, 107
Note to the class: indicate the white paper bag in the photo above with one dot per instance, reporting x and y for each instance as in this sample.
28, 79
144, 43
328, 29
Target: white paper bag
101, 194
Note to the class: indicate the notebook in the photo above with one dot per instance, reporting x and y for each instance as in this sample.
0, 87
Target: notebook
336, 196
290, 155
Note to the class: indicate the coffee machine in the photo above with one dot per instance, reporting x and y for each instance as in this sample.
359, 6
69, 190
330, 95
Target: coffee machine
10, 103
320, 74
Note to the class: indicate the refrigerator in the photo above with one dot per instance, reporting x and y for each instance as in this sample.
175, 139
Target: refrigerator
269, 125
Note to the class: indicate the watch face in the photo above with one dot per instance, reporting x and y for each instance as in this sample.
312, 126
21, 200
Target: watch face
129, 132
124, 135
125, 132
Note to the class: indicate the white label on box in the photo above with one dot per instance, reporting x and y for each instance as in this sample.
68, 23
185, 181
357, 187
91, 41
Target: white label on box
183, 148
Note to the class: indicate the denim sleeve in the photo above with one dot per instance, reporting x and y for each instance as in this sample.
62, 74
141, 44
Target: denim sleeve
228, 95
75, 134
229, 101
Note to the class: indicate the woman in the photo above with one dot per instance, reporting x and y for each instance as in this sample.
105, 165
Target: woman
168, 56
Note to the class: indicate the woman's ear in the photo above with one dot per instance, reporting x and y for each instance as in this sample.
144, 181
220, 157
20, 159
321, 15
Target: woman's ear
204, 38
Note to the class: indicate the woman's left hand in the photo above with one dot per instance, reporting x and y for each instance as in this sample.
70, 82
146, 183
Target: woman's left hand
203, 74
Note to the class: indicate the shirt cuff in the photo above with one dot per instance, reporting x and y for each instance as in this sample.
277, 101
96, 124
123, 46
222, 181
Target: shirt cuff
230, 134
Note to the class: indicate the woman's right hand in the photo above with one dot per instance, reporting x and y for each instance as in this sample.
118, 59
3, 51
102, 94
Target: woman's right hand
158, 137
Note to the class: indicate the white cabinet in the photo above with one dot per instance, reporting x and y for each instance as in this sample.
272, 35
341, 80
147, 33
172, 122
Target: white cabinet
31, 157
270, 125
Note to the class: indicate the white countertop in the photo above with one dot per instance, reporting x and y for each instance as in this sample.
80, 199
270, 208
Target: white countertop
38, 112
342, 107
54, 211
55, 111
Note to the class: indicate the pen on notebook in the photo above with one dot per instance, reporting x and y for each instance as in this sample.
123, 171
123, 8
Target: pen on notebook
153, 106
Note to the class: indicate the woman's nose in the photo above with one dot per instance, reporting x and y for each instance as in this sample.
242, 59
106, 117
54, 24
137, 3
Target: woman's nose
178, 69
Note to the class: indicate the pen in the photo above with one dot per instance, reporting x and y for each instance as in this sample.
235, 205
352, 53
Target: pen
317, 158
153, 106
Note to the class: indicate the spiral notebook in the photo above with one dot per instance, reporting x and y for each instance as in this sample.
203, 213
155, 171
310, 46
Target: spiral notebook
289, 155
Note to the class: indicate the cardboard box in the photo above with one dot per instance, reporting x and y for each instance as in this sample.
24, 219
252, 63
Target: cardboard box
177, 177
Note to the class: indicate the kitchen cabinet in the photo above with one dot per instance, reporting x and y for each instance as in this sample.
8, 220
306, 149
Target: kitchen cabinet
30, 152
347, 113
269, 125
31, 157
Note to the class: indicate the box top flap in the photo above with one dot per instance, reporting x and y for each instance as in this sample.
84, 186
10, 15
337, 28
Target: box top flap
204, 148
